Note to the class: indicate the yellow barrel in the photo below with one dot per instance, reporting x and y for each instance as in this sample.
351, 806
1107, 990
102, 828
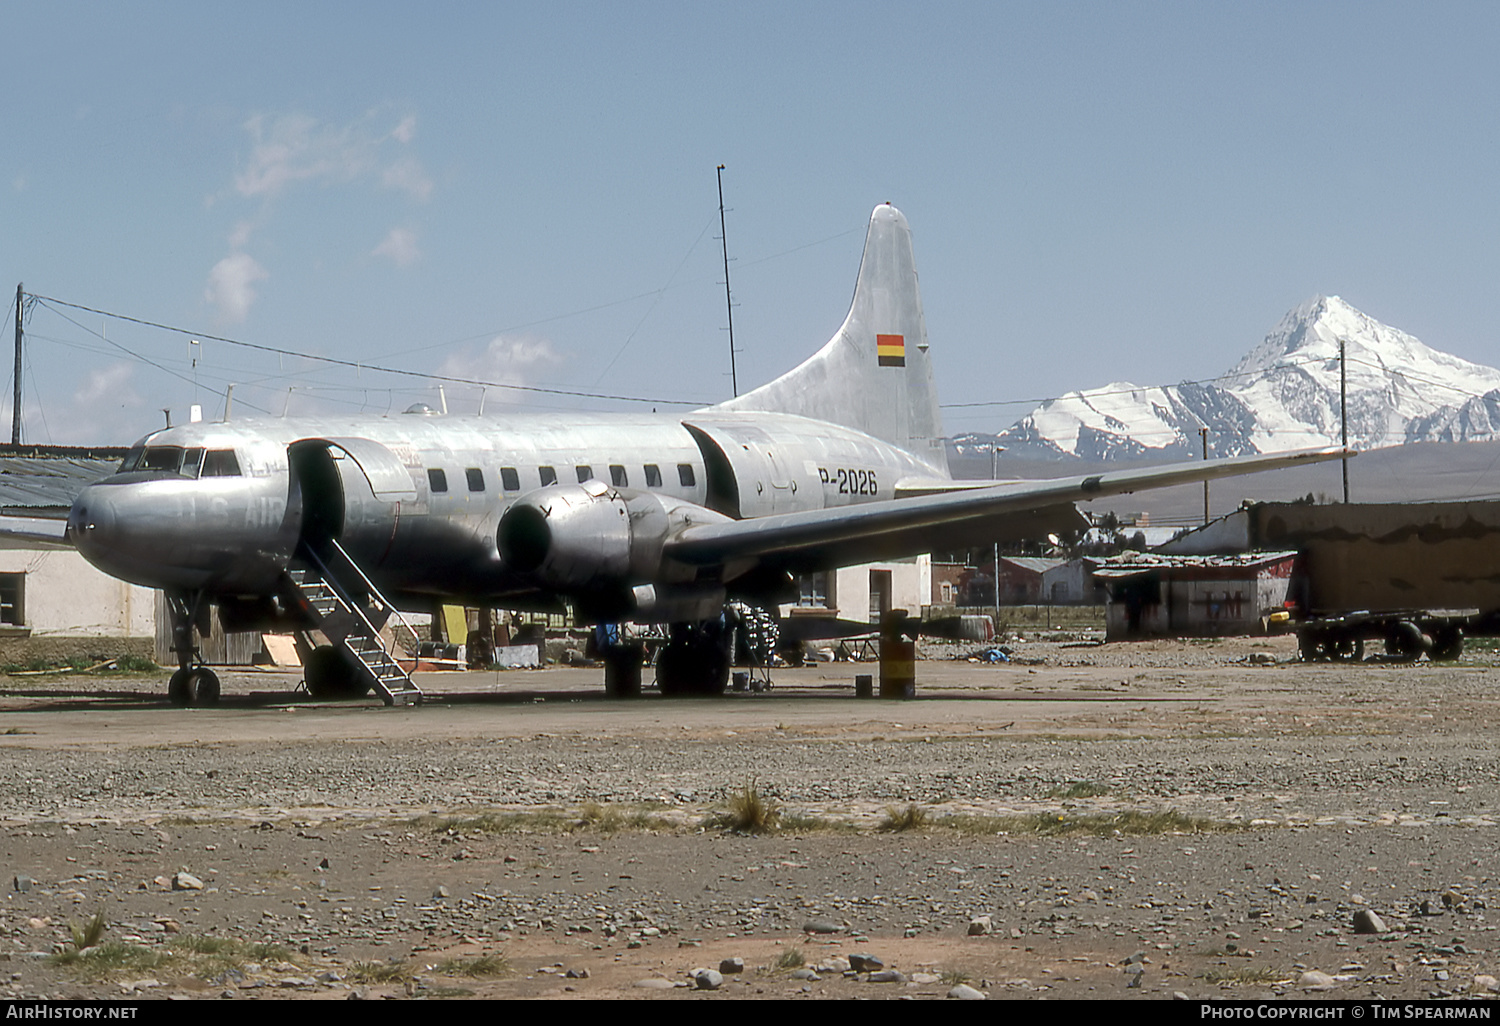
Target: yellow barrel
898, 668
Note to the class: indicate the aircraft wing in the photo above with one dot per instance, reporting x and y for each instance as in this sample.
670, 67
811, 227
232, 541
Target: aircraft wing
819, 539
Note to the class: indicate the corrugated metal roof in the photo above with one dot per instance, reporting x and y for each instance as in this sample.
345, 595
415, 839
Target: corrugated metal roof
1036, 564
49, 482
1140, 563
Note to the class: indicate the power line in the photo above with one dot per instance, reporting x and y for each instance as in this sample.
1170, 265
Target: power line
335, 361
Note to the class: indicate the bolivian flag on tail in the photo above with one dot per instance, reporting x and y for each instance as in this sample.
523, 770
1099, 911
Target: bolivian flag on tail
890, 350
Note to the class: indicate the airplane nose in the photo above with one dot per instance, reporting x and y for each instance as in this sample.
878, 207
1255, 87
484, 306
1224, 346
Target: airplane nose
91, 524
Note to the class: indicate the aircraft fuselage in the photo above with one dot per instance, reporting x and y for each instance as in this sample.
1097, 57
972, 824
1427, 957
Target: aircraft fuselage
417, 500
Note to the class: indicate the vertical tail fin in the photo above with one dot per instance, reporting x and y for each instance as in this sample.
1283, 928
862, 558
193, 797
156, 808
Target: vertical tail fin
874, 375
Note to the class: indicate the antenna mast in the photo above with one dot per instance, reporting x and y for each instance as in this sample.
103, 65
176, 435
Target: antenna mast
734, 382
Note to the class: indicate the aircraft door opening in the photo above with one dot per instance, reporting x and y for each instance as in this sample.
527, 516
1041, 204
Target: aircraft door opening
352, 492
318, 488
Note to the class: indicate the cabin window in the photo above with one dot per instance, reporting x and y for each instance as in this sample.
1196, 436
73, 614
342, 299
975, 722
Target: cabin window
437, 480
132, 459
509, 479
475, 477
547, 475
585, 473
685, 475
653, 476
13, 599
220, 463
617, 476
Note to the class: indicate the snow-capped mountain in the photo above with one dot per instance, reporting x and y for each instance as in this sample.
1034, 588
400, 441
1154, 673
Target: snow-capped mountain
1283, 395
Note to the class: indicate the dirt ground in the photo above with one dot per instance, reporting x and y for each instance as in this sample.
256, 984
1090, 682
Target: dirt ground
1189, 818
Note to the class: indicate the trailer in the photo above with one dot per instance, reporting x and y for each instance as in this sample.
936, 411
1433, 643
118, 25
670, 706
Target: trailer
1408, 579
1407, 634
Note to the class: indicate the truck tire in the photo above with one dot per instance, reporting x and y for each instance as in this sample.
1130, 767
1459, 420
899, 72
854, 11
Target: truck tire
1404, 641
1447, 644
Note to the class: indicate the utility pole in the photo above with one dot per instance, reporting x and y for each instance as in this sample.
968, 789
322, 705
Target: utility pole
1203, 432
15, 407
734, 382
995, 473
1344, 415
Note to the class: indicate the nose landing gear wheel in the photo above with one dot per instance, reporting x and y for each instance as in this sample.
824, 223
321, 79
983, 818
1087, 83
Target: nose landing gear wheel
194, 686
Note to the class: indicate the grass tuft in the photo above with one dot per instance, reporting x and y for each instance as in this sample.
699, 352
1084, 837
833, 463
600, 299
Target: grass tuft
749, 812
381, 972
789, 959
805, 822
90, 934
1250, 974
476, 968
264, 952
606, 819
110, 958
899, 821
1079, 789
1055, 824
201, 944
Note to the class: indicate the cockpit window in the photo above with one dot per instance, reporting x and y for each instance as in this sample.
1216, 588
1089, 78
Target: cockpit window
162, 457
174, 459
220, 463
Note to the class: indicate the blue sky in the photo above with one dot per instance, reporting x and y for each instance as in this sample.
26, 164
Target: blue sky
526, 192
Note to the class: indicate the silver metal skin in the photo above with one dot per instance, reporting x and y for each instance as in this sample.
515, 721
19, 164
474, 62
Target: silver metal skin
648, 517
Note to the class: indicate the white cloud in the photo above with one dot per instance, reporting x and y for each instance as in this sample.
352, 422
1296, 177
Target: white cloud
506, 360
296, 148
400, 246
103, 409
240, 237
407, 175
107, 383
291, 148
231, 285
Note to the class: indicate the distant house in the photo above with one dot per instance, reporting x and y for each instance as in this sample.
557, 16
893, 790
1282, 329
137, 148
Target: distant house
1022, 579
1193, 596
947, 583
1072, 583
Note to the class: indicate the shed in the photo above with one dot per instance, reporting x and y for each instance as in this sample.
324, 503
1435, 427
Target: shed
1193, 596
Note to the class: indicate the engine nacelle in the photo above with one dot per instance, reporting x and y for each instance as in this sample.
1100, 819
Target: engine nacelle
591, 538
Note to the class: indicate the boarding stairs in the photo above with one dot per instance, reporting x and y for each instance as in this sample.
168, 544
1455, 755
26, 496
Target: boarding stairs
351, 622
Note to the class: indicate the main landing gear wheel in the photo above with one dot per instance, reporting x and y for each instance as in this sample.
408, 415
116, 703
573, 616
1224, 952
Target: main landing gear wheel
194, 685
696, 660
332, 676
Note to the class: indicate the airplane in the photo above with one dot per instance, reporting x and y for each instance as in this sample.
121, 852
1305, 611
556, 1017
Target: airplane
338, 524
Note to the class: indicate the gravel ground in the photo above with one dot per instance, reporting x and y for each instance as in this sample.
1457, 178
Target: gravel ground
1145, 820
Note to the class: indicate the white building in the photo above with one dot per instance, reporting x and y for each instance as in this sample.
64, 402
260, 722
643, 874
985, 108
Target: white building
47, 590
864, 592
